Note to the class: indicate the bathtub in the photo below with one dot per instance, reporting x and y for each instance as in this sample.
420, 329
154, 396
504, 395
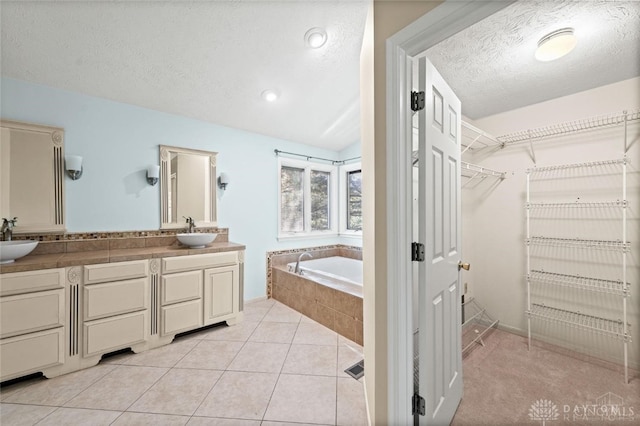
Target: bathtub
341, 273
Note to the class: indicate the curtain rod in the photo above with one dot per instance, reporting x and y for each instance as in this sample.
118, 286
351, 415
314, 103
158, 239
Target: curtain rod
309, 157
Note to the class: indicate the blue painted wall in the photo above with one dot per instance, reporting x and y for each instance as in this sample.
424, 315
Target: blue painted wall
118, 141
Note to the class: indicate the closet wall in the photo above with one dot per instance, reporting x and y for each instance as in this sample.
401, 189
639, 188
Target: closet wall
494, 216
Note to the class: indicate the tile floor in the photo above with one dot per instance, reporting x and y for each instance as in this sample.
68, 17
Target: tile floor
277, 367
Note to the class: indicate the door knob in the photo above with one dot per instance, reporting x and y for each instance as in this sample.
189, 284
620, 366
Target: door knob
464, 266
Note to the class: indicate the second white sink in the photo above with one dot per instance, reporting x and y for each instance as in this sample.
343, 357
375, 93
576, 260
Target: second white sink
196, 240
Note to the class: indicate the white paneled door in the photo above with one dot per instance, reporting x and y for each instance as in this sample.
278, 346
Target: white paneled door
440, 355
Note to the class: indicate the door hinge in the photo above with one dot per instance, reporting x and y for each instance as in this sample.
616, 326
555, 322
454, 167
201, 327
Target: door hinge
418, 404
417, 252
417, 101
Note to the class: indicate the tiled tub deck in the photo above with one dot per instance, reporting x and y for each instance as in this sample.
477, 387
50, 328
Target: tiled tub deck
337, 310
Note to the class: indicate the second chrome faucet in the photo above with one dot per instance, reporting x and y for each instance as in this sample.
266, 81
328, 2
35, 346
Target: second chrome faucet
191, 226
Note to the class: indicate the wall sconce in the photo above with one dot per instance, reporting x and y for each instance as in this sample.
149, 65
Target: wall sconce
153, 174
74, 166
223, 181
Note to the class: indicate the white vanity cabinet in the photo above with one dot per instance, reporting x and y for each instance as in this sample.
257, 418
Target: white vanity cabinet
221, 293
32, 322
57, 321
115, 307
199, 290
181, 302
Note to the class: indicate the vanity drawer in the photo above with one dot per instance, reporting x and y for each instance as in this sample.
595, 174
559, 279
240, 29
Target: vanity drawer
108, 299
181, 287
115, 271
110, 334
181, 317
31, 312
28, 282
198, 261
31, 353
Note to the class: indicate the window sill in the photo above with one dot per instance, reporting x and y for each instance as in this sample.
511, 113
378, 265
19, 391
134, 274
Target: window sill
357, 235
305, 236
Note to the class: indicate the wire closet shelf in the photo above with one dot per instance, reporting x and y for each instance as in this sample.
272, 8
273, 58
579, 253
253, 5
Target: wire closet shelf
619, 288
592, 123
473, 170
604, 326
616, 287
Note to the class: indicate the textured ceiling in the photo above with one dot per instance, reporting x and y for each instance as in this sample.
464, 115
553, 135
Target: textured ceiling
207, 60
491, 66
211, 60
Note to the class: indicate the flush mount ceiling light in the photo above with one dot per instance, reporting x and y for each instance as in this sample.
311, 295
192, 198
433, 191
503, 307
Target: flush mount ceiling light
269, 95
555, 45
315, 38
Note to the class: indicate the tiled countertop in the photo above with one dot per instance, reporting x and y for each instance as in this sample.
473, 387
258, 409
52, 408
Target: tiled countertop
61, 260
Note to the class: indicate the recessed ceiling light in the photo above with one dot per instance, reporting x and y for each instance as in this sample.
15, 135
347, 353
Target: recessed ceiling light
315, 38
269, 95
556, 44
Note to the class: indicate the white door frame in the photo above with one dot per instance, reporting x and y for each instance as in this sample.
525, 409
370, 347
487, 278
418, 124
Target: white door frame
442, 22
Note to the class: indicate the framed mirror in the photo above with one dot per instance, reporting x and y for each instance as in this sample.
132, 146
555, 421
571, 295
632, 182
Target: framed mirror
187, 187
32, 176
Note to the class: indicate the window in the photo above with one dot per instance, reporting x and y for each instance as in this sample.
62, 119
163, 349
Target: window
354, 200
351, 199
320, 194
308, 198
291, 199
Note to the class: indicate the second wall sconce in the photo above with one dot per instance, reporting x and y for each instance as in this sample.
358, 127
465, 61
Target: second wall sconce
153, 174
223, 181
73, 165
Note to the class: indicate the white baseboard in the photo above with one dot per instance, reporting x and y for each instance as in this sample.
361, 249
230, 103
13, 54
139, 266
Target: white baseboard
257, 299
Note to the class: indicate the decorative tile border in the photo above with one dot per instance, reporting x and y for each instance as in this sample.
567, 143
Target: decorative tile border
339, 251
92, 241
73, 236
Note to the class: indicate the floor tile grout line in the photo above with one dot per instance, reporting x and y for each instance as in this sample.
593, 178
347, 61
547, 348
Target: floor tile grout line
223, 373
230, 362
281, 368
337, 366
57, 408
69, 399
147, 390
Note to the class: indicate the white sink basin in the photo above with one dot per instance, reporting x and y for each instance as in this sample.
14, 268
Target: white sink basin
196, 240
12, 250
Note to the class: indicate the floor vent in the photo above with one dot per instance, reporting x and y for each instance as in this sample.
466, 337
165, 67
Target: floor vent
356, 370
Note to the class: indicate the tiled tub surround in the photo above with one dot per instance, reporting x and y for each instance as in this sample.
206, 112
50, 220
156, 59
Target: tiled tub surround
336, 310
282, 257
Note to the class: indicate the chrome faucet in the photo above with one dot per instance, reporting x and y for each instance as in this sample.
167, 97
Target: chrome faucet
297, 270
191, 226
7, 228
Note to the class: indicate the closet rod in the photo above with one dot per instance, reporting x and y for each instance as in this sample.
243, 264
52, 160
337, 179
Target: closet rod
608, 120
309, 157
